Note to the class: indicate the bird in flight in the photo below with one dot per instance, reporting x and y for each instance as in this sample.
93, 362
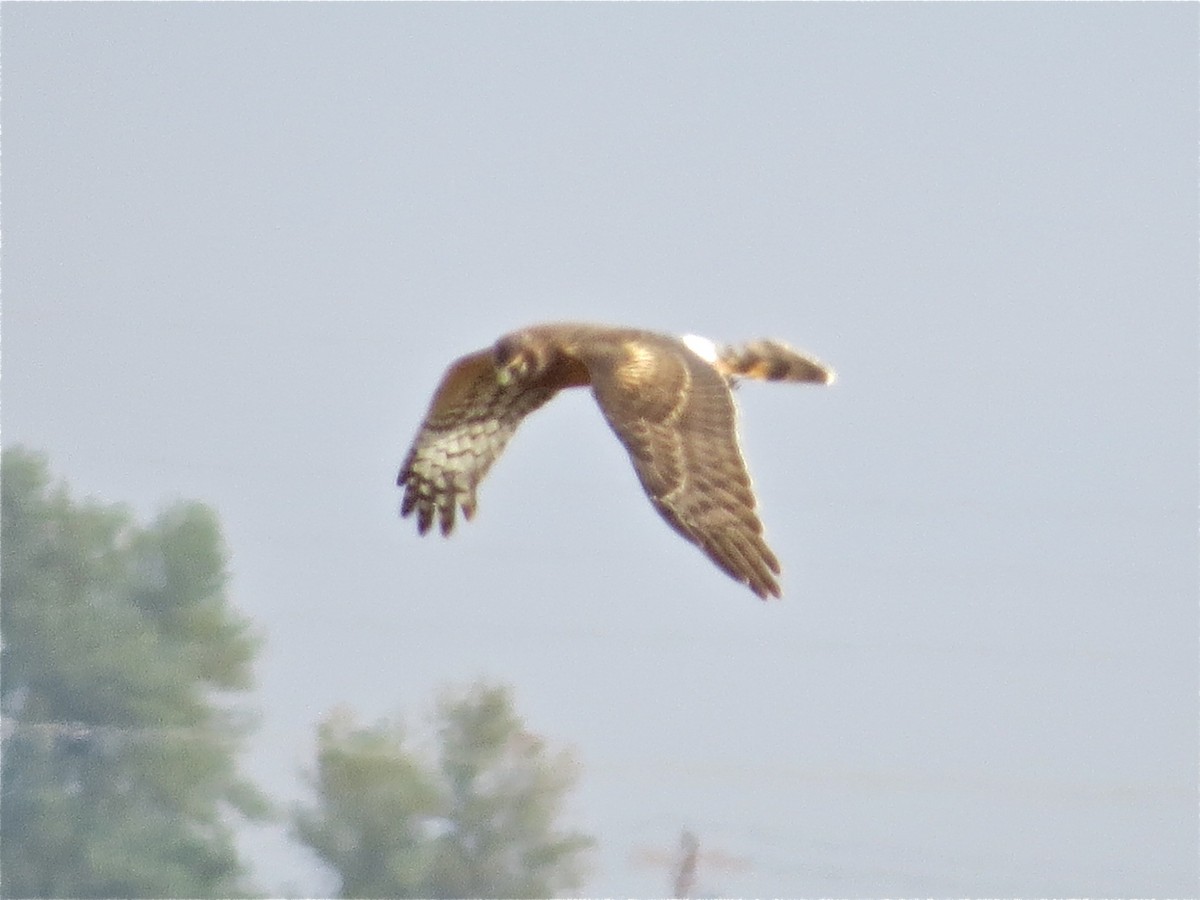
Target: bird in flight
668, 399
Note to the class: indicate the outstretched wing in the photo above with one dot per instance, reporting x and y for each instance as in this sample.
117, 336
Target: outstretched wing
675, 415
469, 422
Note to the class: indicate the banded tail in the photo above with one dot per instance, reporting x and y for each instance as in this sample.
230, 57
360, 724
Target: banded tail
762, 360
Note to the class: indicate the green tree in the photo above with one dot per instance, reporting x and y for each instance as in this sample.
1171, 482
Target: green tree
475, 819
122, 661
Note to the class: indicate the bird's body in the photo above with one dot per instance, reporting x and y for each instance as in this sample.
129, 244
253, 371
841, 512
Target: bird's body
667, 399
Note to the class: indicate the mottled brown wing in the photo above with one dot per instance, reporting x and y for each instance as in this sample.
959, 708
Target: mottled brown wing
675, 415
469, 422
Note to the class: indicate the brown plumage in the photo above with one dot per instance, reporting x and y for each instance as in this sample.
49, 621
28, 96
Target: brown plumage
667, 399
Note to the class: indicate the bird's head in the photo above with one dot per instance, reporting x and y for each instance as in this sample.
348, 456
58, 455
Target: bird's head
517, 359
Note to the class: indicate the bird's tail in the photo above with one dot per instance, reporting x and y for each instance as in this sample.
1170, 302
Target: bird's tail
772, 361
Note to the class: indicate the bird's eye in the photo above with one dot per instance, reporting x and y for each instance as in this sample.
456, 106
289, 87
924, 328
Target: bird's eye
503, 352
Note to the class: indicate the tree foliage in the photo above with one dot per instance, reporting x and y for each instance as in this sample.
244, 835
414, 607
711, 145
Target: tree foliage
477, 818
121, 660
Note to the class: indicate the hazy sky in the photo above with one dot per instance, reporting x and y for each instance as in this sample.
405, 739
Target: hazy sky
241, 243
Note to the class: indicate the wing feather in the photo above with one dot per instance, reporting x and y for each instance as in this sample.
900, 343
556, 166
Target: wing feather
469, 423
675, 415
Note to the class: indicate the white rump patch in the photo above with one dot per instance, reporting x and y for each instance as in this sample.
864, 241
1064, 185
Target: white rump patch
702, 347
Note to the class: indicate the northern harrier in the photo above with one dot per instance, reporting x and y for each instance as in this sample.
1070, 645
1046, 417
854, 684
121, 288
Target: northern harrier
668, 399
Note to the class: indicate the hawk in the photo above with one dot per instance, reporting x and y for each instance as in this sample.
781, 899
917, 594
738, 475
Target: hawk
668, 399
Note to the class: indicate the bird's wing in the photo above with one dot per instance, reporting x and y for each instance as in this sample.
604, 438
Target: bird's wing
675, 415
470, 420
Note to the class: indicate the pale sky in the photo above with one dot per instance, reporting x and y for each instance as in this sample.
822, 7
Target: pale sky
242, 242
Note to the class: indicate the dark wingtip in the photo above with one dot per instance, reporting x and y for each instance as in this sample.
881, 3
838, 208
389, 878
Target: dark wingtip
446, 519
424, 518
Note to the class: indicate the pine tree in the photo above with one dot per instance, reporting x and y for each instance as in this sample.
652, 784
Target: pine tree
479, 820
122, 659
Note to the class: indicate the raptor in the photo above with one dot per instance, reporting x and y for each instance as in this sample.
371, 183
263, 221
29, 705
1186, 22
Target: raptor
668, 399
